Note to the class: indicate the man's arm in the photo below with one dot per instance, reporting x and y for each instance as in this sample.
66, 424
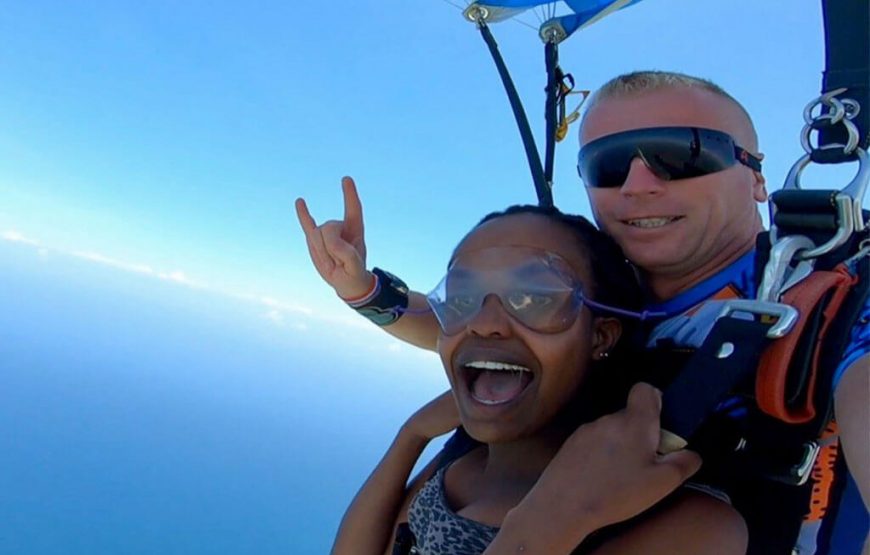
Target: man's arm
689, 522
606, 472
852, 410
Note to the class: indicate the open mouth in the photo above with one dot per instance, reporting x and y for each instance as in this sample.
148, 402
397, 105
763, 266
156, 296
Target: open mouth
651, 223
494, 382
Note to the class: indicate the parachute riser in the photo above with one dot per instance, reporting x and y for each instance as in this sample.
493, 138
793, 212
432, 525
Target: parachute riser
543, 186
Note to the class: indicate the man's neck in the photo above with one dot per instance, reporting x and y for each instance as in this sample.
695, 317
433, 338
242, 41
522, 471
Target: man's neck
666, 285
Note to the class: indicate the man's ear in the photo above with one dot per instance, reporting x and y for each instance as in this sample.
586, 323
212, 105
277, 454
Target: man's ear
759, 191
607, 332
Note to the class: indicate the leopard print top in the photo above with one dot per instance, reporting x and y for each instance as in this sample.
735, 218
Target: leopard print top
440, 531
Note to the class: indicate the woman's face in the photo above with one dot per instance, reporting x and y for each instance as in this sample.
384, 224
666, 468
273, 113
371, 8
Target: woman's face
510, 380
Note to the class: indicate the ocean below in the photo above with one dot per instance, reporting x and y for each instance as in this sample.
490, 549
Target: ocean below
138, 415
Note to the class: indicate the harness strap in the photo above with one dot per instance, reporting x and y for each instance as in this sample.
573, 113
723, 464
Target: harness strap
785, 384
847, 64
542, 186
723, 363
406, 543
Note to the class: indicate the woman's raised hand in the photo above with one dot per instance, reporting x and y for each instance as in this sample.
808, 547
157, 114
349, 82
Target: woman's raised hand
337, 247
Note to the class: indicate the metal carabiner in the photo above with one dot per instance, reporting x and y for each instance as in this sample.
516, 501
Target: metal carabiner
828, 99
848, 202
779, 266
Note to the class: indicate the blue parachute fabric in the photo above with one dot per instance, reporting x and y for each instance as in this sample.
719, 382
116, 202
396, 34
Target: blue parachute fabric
584, 11
587, 12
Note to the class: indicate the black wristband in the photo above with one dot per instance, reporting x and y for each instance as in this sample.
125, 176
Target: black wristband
389, 301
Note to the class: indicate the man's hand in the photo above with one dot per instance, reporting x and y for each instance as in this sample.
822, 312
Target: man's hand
337, 247
608, 471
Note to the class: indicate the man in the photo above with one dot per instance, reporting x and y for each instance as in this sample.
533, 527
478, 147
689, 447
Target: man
691, 238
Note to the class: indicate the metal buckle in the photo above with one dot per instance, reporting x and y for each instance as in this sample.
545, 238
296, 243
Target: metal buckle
786, 315
799, 474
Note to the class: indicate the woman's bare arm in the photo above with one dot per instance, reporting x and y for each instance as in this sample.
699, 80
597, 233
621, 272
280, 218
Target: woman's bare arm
368, 524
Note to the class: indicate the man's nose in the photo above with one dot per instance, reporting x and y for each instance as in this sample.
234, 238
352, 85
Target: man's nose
641, 180
491, 320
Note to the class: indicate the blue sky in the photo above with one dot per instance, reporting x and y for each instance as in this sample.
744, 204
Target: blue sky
170, 139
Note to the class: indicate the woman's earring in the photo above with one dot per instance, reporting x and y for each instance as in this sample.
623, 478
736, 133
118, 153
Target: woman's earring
603, 355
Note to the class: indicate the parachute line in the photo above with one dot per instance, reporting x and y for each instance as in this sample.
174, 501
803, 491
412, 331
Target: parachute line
542, 186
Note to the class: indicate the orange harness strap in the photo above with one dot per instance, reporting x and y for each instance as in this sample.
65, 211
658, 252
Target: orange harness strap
773, 371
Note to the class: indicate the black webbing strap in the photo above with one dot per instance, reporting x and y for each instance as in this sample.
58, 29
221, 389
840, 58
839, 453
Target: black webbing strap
405, 540
551, 58
723, 364
847, 64
542, 187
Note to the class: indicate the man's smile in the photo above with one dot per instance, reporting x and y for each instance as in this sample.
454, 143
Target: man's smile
652, 222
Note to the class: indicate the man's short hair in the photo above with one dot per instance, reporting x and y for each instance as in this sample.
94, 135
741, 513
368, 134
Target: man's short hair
639, 82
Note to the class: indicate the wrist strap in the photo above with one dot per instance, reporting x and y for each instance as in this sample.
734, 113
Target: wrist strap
365, 297
386, 302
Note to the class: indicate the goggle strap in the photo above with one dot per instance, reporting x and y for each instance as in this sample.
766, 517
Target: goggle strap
641, 316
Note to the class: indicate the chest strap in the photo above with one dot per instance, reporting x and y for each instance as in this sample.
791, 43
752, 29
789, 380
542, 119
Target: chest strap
789, 369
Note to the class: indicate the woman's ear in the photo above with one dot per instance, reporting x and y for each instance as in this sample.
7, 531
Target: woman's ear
606, 333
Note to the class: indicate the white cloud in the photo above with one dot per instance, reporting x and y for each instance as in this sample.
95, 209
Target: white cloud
181, 278
280, 305
114, 263
276, 317
16, 237
281, 312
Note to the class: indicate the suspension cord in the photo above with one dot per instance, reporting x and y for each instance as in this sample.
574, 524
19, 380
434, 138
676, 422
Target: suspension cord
551, 57
542, 184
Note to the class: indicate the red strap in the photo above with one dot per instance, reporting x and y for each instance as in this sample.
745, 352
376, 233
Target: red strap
770, 384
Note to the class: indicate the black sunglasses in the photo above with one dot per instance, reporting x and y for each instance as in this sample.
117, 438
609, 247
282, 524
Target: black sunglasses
671, 153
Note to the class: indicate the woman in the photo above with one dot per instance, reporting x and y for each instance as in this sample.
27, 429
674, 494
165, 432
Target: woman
524, 326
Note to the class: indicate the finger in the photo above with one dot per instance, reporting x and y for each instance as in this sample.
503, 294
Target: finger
353, 216
324, 263
679, 466
644, 401
644, 412
669, 442
340, 250
305, 220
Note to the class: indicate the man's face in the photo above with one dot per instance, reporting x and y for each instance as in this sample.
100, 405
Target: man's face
685, 227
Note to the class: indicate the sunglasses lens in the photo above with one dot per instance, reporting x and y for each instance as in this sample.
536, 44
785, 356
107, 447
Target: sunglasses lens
671, 153
600, 166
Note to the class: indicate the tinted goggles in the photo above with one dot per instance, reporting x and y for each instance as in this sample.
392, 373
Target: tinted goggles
671, 153
535, 287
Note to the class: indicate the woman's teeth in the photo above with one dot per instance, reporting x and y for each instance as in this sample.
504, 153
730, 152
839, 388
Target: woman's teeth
491, 365
496, 383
